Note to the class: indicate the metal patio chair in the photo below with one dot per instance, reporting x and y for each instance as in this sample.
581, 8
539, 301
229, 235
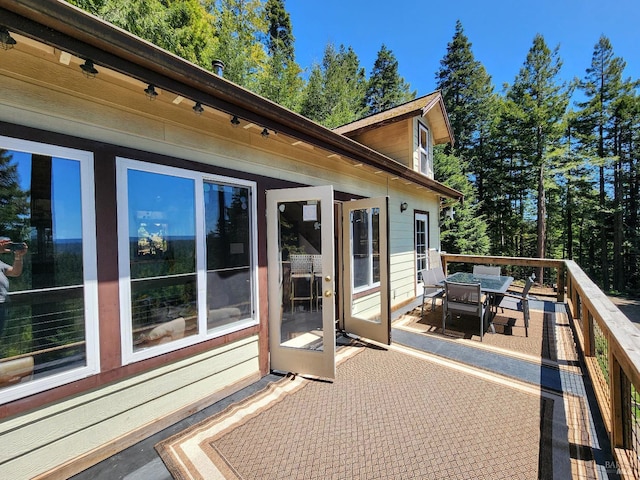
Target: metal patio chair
485, 270
465, 299
301, 270
519, 302
433, 284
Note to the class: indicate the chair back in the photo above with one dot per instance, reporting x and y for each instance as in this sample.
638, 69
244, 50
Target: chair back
527, 286
301, 264
463, 292
434, 259
433, 276
317, 264
485, 270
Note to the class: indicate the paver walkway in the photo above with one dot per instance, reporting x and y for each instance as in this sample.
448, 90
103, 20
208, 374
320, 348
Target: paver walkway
425, 407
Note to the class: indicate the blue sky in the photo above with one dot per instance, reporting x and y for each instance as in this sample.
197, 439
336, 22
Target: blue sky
501, 33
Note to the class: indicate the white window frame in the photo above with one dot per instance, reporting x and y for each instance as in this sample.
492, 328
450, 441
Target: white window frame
428, 168
89, 264
424, 218
123, 165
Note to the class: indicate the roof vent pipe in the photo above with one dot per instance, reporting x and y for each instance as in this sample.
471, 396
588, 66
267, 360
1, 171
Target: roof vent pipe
218, 67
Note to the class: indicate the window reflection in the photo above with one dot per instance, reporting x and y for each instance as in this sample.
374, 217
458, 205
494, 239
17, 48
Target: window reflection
162, 249
42, 310
227, 226
365, 235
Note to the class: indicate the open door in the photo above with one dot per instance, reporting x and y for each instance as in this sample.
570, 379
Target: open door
365, 252
300, 246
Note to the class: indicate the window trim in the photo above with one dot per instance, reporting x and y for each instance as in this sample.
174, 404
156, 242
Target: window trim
422, 216
123, 165
90, 269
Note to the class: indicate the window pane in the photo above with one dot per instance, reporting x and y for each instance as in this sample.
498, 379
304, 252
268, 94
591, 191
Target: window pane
361, 248
375, 244
42, 330
162, 247
229, 280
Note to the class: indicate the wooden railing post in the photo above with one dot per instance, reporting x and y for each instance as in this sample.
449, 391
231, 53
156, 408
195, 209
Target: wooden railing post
560, 283
616, 396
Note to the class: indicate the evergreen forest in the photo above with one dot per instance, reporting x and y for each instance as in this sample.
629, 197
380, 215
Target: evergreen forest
544, 175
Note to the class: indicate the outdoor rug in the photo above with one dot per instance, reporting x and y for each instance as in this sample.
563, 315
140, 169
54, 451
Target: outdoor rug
390, 414
544, 330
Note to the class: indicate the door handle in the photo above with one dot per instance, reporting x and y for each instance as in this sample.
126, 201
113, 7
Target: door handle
328, 293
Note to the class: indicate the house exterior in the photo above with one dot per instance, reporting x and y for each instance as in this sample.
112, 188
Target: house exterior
185, 236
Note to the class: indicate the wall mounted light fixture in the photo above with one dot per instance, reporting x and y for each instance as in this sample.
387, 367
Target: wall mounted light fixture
198, 108
403, 206
6, 40
265, 133
88, 69
150, 92
235, 121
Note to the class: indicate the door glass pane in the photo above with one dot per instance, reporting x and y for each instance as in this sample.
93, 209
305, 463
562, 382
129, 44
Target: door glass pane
365, 259
162, 256
301, 274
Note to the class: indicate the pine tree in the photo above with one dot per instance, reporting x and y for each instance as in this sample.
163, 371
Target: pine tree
468, 96
281, 82
385, 87
601, 86
465, 231
542, 102
335, 92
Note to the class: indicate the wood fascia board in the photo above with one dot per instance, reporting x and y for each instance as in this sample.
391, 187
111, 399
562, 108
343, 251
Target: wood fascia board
382, 123
70, 29
439, 101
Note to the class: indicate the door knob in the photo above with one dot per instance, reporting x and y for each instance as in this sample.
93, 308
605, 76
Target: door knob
327, 278
328, 293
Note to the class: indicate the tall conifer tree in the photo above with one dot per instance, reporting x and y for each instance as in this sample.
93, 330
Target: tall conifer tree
602, 87
540, 101
385, 87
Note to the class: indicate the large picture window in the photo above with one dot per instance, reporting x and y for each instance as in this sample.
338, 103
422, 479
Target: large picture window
187, 257
48, 292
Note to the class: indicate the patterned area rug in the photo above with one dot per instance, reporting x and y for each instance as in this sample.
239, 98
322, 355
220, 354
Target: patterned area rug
388, 415
509, 330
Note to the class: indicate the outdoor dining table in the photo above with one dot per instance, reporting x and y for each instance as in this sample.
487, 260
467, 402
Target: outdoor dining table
492, 285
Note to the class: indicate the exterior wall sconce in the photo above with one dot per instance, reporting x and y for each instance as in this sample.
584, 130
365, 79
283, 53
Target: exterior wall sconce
265, 133
88, 69
235, 121
403, 206
6, 40
198, 108
150, 92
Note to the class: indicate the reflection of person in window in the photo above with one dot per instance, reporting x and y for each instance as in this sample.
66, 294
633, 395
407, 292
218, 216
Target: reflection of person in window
8, 271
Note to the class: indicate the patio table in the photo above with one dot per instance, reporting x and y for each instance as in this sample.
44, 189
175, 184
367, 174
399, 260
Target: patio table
492, 285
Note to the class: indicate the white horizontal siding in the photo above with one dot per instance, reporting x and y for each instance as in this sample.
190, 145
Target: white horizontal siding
48, 437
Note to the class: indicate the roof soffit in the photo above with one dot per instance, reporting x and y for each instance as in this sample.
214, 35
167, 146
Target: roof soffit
70, 29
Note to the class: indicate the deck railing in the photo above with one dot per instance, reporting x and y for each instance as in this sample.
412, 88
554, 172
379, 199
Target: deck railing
611, 347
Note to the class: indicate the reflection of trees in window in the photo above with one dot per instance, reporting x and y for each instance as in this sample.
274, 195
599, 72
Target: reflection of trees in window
227, 224
14, 206
47, 325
